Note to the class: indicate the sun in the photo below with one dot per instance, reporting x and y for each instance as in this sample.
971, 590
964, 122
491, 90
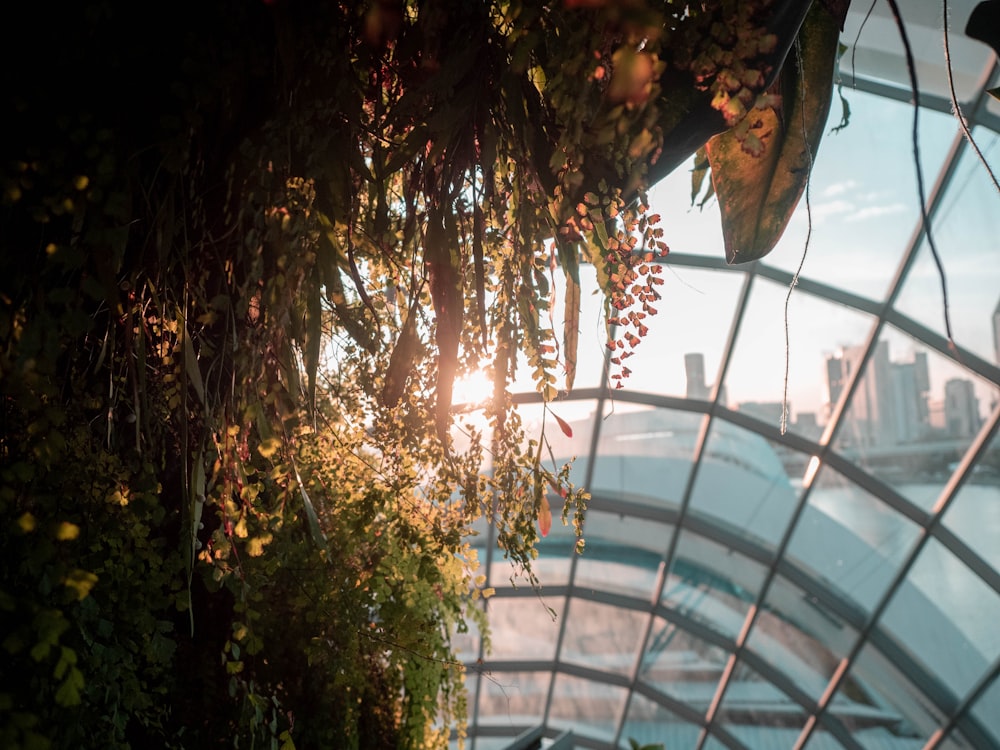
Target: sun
473, 389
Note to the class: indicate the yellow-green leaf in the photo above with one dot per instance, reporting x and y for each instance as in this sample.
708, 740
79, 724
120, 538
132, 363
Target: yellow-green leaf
81, 581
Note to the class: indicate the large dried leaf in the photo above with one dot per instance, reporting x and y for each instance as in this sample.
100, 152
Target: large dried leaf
757, 194
984, 24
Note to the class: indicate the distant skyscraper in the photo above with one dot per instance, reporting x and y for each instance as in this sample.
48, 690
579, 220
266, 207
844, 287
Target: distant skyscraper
836, 377
961, 408
889, 405
694, 367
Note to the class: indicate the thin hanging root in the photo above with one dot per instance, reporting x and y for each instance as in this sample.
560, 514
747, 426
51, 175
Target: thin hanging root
921, 193
805, 248
955, 106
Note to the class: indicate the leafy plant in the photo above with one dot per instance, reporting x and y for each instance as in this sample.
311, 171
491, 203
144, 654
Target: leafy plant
243, 261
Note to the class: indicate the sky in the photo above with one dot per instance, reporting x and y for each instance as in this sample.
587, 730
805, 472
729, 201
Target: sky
864, 209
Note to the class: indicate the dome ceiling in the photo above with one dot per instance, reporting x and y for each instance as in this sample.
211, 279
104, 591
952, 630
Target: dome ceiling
832, 585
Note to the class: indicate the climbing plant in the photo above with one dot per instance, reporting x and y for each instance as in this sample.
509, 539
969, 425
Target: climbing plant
244, 259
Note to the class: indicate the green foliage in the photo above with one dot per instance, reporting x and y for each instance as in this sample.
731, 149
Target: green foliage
242, 262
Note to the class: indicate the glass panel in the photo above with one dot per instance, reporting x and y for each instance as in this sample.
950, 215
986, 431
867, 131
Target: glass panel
987, 709
513, 698
822, 740
623, 553
686, 229
816, 327
864, 209
650, 723
907, 714
587, 707
713, 744
712, 584
946, 617
742, 484
682, 360
522, 628
492, 743
644, 454
799, 636
965, 231
956, 741
850, 539
682, 665
912, 417
600, 636
974, 514
752, 702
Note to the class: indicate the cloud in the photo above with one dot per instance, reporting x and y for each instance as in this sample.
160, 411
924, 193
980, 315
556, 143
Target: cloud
872, 212
839, 188
825, 210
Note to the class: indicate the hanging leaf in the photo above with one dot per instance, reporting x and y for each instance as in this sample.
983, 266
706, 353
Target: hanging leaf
984, 25
758, 194
314, 336
544, 516
401, 361
563, 425
698, 174
478, 234
314, 528
191, 365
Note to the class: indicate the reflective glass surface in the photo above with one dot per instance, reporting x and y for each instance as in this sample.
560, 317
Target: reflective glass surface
602, 636
623, 553
644, 455
587, 705
735, 457
711, 584
987, 709
956, 637
681, 665
851, 540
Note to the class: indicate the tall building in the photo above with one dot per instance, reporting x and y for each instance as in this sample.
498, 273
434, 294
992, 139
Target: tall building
961, 408
889, 405
694, 368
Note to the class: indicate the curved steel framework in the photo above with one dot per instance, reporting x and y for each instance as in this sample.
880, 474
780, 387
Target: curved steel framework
820, 719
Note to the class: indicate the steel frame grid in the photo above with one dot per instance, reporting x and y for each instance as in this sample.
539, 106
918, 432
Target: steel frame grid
955, 709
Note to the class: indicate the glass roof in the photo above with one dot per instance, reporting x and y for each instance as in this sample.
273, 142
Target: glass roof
836, 585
